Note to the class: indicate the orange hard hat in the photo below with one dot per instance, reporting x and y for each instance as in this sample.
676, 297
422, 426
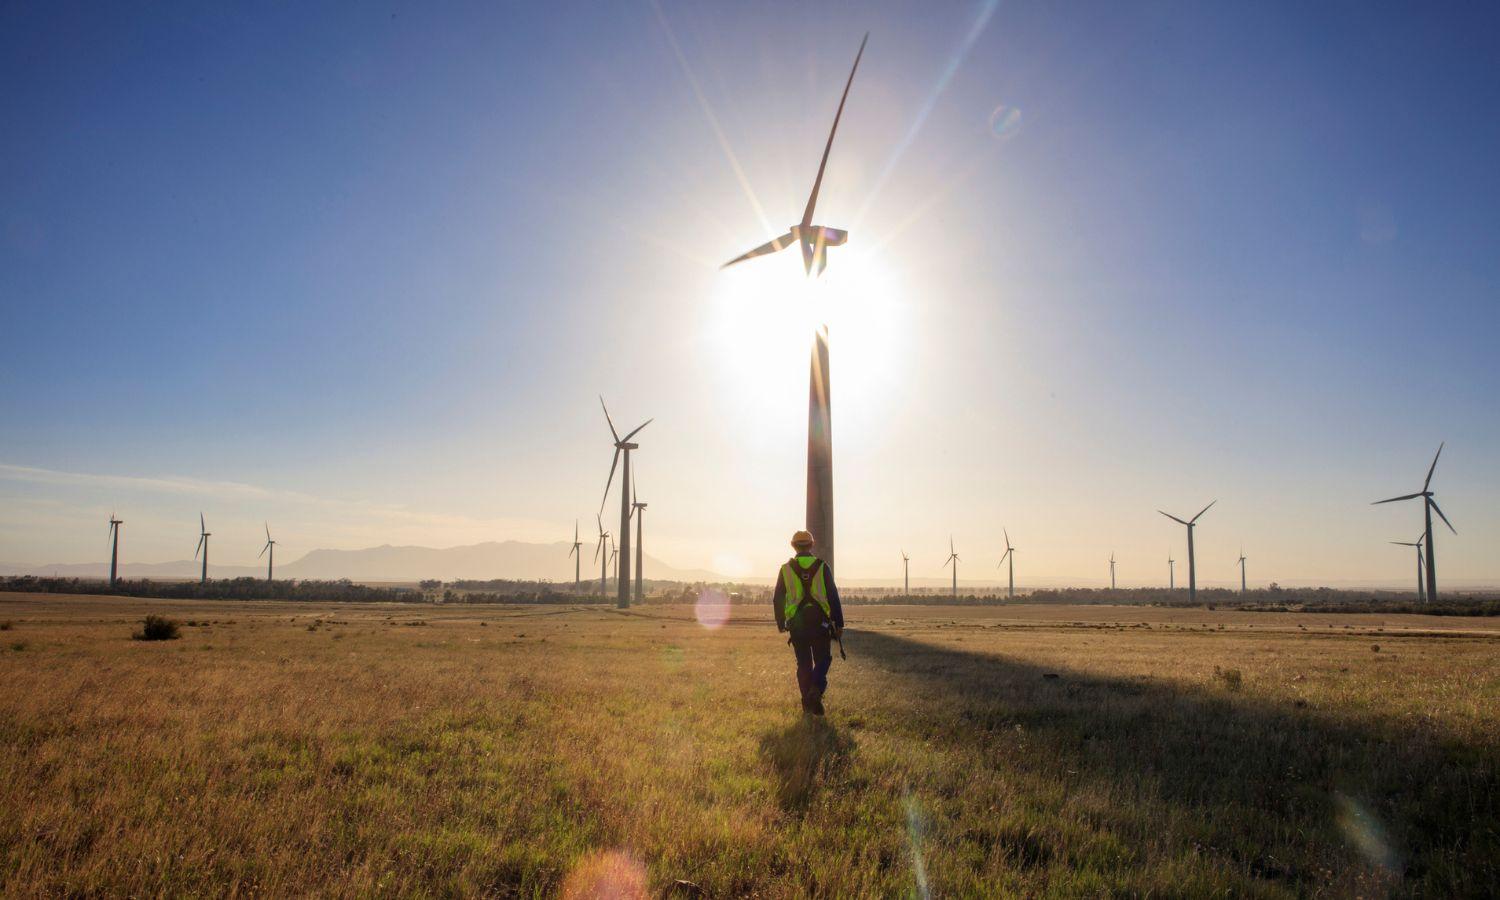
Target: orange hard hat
802, 539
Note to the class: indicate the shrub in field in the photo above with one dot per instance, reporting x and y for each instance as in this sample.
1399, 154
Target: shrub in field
1233, 679
18, 646
157, 628
7, 625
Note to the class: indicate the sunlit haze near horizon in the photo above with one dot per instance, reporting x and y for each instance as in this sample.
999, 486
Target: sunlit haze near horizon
363, 274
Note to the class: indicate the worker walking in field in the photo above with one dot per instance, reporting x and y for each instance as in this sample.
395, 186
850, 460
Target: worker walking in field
806, 602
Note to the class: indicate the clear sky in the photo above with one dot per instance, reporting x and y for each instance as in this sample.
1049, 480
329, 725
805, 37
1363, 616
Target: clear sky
363, 272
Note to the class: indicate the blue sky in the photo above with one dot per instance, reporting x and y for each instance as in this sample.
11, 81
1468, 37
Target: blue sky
362, 271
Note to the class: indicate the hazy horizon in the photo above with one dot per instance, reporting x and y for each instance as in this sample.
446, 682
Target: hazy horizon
362, 273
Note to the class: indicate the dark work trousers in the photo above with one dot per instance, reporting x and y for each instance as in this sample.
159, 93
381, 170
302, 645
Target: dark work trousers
814, 656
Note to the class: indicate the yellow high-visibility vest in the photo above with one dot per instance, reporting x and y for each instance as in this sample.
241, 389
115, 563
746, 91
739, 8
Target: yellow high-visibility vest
801, 584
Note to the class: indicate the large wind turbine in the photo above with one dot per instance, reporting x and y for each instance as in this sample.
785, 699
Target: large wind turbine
604, 562
953, 561
1111, 570
1421, 592
815, 241
271, 548
114, 547
577, 560
622, 445
906, 573
639, 509
1192, 564
1010, 554
1430, 507
203, 536
1242, 570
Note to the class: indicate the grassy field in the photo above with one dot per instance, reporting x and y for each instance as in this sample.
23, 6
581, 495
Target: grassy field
370, 749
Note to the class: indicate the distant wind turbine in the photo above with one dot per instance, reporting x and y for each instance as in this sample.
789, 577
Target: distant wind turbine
1171, 572
906, 573
270, 547
815, 241
1242, 570
1430, 507
577, 560
1421, 591
953, 561
1192, 560
114, 547
1010, 554
602, 545
1111, 570
639, 510
203, 536
622, 445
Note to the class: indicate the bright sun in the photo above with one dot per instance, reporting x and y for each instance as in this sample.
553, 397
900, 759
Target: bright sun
766, 311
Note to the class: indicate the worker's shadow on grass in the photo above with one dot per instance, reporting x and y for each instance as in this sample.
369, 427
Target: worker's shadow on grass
804, 756
1257, 781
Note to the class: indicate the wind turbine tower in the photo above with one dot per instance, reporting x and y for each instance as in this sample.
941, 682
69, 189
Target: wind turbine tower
1421, 591
1171, 572
1111, 570
953, 561
622, 445
639, 509
906, 573
815, 241
270, 548
203, 536
602, 547
1431, 506
114, 547
1010, 554
1192, 564
1242, 570
577, 560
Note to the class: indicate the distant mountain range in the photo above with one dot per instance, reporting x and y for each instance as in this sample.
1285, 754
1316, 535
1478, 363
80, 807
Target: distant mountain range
515, 560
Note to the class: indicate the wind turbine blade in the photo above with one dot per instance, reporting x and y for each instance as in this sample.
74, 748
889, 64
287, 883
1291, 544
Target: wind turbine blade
268, 532
1394, 499
609, 420
1437, 509
263, 550
637, 429
1202, 511
1433, 467
202, 525
199, 547
1172, 517
1007, 539
605, 498
597, 547
768, 247
575, 531
812, 200
950, 545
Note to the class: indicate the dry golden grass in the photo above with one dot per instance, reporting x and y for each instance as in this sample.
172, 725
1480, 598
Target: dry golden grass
536, 751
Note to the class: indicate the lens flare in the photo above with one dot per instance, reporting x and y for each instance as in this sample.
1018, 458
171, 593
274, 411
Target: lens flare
1005, 122
914, 831
606, 875
1364, 831
712, 608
